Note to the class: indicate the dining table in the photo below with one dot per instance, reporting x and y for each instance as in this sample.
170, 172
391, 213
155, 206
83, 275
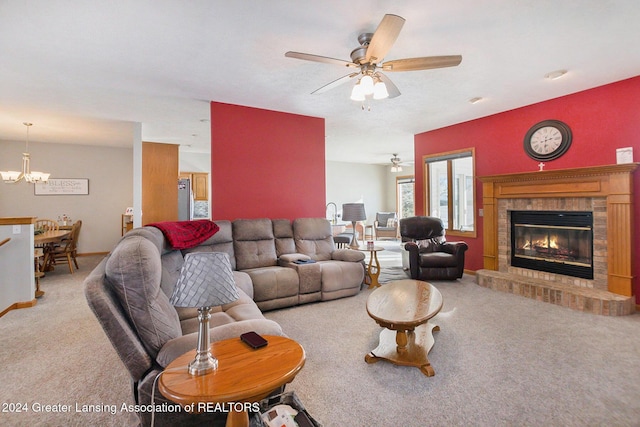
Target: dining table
48, 240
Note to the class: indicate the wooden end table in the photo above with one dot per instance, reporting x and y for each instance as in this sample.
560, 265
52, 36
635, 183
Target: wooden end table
404, 307
373, 270
243, 375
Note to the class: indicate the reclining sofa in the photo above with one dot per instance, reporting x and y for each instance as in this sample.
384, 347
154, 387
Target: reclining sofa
129, 294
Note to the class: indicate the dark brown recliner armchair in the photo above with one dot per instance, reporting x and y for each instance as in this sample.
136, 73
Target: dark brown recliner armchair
430, 256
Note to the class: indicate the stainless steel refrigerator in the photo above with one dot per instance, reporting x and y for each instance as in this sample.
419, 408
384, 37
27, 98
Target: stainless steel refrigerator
185, 200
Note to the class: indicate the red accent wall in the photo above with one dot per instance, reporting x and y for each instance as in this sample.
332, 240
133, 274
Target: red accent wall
601, 120
266, 164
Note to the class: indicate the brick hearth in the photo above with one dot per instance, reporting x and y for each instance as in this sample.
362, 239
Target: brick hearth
589, 300
605, 191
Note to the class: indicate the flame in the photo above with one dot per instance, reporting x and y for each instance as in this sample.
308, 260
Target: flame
551, 243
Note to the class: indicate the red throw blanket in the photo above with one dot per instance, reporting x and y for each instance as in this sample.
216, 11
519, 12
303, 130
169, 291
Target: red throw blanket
186, 234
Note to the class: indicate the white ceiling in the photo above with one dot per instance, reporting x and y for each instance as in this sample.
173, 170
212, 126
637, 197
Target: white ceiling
84, 71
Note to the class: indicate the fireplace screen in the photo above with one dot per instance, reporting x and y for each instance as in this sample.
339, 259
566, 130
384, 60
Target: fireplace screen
556, 242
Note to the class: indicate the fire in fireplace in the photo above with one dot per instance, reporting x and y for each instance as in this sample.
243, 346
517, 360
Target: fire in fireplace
553, 241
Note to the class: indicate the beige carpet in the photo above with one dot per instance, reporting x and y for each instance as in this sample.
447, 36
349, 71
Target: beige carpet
499, 360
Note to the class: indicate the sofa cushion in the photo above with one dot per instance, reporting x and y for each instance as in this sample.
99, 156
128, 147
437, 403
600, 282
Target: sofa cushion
438, 260
254, 243
222, 241
341, 279
273, 282
283, 233
134, 273
313, 237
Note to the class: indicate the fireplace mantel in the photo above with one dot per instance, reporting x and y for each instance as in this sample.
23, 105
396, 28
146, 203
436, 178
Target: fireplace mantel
612, 182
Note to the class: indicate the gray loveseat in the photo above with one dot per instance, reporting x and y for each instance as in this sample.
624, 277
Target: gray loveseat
129, 293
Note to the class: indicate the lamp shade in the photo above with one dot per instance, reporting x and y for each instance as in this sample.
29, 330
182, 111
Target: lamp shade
206, 280
353, 212
380, 91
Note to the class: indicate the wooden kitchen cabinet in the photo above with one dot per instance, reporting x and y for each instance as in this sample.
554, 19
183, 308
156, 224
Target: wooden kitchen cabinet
199, 184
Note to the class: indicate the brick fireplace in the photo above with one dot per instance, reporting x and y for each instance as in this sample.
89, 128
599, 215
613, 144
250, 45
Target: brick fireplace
604, 191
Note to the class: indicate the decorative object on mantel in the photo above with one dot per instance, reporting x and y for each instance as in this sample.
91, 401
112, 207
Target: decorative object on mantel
541, 166
624, 155
11, 177
547, 140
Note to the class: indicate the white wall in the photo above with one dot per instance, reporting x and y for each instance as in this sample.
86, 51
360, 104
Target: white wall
110, 174
372, 185
17, 284
194, 162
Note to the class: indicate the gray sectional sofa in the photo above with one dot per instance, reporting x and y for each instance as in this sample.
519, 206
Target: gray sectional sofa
129, 293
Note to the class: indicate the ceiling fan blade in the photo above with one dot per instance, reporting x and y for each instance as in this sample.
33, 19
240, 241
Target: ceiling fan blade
318, 58
335, 83
384, 37
391, 88
424, 63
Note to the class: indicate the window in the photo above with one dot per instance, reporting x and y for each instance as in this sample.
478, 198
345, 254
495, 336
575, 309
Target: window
404, 192
450, 190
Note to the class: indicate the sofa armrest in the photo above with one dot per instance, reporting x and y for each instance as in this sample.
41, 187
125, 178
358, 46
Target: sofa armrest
348, 255
287, 259
178, 346
454, 248
414, 263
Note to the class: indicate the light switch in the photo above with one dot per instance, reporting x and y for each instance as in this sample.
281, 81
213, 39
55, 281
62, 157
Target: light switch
481, 212
17, 229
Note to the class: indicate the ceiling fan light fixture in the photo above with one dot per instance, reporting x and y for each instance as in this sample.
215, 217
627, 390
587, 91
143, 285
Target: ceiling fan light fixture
367, 84
380, 91
395, 163
357, 93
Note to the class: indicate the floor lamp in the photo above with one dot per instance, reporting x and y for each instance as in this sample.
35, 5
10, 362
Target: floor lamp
353, 212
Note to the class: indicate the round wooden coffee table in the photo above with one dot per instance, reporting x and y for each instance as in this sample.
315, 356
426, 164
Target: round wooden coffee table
243, 375
404, 307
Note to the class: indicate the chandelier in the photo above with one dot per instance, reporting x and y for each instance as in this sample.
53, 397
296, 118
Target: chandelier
11, 177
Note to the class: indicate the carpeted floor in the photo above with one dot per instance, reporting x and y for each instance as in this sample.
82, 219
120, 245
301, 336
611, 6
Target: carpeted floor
499, 360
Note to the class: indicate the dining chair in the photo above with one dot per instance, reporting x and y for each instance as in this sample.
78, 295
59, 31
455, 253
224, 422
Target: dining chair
68, 249
46, 225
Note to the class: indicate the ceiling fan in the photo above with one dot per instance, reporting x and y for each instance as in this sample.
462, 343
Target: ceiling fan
366, 60
395, 163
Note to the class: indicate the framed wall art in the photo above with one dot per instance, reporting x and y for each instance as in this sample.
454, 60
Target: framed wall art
62, 186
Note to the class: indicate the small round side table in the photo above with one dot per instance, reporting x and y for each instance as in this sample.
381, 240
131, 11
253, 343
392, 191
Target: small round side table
243, 375
373, 270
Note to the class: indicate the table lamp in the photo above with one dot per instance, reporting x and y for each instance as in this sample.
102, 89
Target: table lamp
206, 280
353, 212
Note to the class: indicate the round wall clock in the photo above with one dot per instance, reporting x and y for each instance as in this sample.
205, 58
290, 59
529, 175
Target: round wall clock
547, 140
